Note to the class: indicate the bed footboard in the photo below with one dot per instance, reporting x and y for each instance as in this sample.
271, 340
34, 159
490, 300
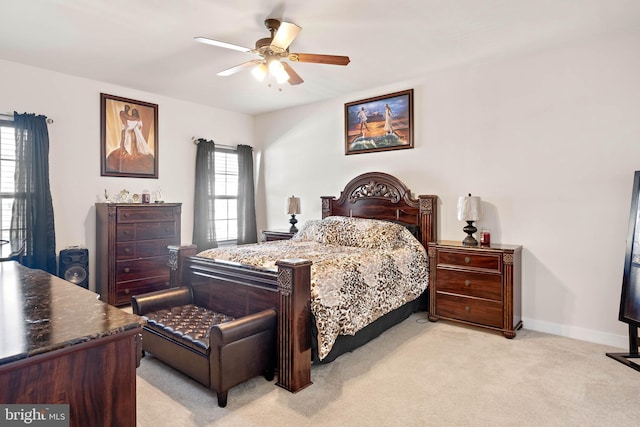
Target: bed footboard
242, 290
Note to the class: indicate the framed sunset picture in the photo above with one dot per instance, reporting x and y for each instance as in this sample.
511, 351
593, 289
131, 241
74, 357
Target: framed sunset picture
128, 137
380, 123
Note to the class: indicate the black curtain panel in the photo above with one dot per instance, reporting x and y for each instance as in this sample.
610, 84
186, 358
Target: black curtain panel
247, 230
204, 228
32, 213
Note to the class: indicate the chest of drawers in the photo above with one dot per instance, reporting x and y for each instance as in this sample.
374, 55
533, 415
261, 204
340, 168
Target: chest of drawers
477, 285
131, 248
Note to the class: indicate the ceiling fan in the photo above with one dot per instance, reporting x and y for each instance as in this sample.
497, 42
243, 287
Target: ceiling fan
272, 51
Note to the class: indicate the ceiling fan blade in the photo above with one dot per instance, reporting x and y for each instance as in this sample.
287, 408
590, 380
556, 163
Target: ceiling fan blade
233, 70
294, 78
319, 59
221, 44
284, 36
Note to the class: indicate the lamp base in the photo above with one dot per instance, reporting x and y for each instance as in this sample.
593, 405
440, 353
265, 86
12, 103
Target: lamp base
469, 229
293, 222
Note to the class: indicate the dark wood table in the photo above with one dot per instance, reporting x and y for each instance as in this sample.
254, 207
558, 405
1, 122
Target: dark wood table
60, 344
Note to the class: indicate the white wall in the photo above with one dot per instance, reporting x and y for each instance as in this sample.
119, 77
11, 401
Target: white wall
74, 105
550, 141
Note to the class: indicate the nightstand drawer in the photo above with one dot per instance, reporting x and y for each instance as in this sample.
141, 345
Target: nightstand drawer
479, 285
484, 312
485, 261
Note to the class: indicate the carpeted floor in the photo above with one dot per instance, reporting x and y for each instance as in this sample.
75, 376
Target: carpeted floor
418, 374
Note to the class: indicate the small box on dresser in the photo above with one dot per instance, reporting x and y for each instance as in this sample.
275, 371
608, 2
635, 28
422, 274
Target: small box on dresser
476, 285
131, 248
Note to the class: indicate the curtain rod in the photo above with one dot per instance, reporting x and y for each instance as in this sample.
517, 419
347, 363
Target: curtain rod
10, 116
195, 141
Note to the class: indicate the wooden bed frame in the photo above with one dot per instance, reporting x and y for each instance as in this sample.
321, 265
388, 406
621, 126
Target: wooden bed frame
247, 289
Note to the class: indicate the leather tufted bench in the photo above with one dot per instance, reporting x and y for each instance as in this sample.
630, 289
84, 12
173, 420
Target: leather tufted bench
213, 348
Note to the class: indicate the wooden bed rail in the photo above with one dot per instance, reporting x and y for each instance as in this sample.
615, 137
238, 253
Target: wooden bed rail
242, 290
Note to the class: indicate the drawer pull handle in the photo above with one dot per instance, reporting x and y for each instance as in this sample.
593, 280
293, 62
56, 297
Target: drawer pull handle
467, 283
467, 308
126, 291
127, 269
127, 250
467, 259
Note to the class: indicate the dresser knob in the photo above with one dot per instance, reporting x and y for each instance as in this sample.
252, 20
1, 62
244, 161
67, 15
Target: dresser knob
467, 283
467, 259
126, 270
467, 308
126, 291
127, 250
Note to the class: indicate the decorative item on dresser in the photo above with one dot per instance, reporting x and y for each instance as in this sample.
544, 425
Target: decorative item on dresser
477, 285
271, 235
131, 248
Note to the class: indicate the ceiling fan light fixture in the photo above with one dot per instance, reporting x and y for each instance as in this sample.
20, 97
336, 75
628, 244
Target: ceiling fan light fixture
260, 71
277, 71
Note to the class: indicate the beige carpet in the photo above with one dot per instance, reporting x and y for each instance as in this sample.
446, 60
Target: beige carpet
419, 374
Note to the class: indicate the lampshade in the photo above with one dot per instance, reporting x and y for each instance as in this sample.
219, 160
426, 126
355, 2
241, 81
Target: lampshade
469, 208
276, 69
259, 71
293, 205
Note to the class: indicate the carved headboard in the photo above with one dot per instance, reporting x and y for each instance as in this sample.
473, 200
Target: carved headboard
378, 195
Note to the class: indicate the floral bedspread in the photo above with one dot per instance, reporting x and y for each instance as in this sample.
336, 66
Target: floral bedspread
362, 269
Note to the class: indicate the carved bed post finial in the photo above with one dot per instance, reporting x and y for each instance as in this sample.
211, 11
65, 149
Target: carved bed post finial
177, 254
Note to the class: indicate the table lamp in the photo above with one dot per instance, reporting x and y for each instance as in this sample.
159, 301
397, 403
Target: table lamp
293, 209
469, 210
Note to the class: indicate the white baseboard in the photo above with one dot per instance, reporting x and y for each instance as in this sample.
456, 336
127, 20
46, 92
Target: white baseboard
613, 340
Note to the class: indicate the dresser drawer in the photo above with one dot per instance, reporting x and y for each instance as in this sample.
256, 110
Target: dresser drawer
143, 249
124, 291
141, 268
481, 285
473, 310
468, 259
145, 231
141, 213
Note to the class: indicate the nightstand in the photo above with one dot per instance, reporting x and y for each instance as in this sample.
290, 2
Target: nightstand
271, 235
476, 285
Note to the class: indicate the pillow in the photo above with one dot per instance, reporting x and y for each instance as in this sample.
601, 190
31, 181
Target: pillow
359, 232
308, 232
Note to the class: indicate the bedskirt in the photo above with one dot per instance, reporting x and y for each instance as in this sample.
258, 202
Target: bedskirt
348, 343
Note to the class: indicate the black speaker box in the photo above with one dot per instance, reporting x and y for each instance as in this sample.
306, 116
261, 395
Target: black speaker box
73, 266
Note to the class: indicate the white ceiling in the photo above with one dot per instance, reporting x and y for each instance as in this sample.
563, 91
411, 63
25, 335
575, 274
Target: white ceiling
148, 44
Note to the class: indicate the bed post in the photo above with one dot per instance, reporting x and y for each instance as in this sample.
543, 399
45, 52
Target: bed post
294, 324
177, 254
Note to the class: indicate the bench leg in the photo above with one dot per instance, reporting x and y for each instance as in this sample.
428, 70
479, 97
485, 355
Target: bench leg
269, 374
222, 399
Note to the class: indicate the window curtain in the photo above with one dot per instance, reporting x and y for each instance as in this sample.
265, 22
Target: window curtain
32, 212
247, 230
204, 228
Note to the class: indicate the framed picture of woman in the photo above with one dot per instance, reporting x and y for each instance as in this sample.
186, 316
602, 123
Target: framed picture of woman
379, 124
128, 137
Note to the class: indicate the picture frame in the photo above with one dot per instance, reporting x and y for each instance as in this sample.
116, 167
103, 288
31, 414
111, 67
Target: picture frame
381, 123
128, 137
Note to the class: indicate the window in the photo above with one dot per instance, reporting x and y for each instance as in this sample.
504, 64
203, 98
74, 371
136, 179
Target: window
226, 196
7, 175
